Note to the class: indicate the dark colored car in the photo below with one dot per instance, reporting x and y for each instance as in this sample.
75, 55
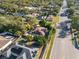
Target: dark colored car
63, 14
62, 34
9, 13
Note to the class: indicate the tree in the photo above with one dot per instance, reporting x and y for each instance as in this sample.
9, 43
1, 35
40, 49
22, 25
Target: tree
70, 12
19, 33
29, 37
12, 24
46, 24
41, 40
58, 2
10, 7
70, 3
55, 10
75, 22
42, 23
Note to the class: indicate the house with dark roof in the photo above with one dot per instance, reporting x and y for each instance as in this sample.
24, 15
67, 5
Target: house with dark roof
17, 52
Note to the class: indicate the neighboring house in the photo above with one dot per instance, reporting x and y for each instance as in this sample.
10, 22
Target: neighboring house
17, 52
30, 8
40, 17
29, 15
18, 14
1, 1
6, 39
8, 36
4, 43
26, 33
32, 15
40, 30
35, 14
2, 11
50, 18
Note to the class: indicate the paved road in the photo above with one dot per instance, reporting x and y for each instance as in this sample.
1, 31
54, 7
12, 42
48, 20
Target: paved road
63, 48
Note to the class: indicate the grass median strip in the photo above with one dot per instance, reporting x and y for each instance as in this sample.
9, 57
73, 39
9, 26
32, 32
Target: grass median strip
50, 46
51, 38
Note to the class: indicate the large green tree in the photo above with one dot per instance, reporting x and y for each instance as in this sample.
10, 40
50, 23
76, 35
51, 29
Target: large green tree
75, 23
12, 24
41, 40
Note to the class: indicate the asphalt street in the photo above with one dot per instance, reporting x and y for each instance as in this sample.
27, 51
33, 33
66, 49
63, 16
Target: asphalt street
62, 48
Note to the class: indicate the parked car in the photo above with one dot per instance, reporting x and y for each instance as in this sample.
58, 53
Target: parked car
62, 34
63, 14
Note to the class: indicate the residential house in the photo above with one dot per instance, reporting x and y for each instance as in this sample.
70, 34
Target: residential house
4, 43
50, 18
17, 52
40, 30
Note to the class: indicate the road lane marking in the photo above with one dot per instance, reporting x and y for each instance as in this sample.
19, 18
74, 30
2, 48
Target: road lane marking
63, 57
63, 49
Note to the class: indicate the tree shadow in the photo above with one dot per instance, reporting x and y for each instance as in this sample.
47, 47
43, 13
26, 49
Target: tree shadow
76, 44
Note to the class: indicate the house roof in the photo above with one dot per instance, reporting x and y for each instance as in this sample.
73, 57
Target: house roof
50, 18
4, 43
40, 30
25, 53
22, 53
16, 50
